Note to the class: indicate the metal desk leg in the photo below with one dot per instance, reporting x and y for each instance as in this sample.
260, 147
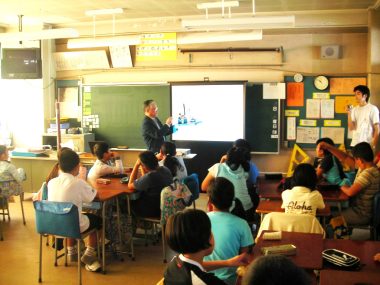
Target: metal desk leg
130, 225
104, 237
118, 224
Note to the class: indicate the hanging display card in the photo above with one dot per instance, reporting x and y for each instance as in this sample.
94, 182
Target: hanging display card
307, 135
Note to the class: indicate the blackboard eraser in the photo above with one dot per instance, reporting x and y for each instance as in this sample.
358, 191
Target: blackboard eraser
122, 146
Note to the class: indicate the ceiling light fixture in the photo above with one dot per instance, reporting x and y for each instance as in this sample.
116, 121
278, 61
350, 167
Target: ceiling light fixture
271, 22
104, 12
49, 34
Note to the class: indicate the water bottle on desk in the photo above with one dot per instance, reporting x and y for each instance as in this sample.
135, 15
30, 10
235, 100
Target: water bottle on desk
119, 164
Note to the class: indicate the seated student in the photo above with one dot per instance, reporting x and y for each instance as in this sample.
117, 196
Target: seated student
365, 185
169, 149
328, 166
68, 188
9, 172
235, 169
275, 270
102, 165
153, 179
189, 234
303, 198
232, 234
253, 170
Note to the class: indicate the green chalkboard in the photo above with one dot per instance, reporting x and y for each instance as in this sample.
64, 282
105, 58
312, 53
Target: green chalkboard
261, 120
120, 110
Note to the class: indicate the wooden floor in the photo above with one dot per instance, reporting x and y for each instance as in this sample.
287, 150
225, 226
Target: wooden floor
19, 258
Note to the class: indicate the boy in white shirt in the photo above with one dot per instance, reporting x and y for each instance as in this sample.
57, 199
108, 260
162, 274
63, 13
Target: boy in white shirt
101, 166
303, 198
68, 188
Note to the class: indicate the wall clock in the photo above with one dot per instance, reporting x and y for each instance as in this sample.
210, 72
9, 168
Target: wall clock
321, 82
298, 77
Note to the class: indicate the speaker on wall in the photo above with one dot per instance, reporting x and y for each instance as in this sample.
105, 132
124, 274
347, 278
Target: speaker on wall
331, 52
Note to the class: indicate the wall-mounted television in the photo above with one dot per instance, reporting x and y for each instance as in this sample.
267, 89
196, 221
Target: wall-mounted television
21, 63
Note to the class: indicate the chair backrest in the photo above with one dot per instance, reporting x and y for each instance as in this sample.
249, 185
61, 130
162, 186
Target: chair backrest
192, 182
57, 218
376, 210
302, 223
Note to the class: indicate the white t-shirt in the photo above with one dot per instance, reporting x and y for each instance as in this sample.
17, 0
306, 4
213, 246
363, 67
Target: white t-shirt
301, 200
67, 188
365, 118
100, 169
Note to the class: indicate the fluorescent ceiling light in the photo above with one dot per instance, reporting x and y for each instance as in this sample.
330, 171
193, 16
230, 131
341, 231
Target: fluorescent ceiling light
224, 4
270, 22
39, 35
104, 12
104, 42
217, 37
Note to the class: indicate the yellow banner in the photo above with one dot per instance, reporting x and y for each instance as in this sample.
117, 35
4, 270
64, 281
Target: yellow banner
160, 46
332, 123
308, 123
292, 113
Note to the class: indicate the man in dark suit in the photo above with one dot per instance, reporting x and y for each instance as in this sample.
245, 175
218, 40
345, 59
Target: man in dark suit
153, 130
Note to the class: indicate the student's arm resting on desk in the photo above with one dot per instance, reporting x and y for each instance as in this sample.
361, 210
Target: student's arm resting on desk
238, 260
352, 190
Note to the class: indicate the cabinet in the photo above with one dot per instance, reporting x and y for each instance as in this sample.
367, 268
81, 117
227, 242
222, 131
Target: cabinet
79, 141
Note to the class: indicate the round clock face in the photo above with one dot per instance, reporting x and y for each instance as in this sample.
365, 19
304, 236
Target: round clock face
321, 82
298, 77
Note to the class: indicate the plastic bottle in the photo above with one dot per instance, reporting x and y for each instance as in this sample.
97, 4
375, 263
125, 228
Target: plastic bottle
119, 164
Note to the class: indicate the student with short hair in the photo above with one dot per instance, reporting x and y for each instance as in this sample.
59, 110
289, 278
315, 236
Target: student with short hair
68, 188
303, 198
153, 179
328, 166
232, 234
189, 233
168, 149
102, 165
365, 185
275, 270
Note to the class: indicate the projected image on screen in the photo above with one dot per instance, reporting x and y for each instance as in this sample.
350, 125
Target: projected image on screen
208, 112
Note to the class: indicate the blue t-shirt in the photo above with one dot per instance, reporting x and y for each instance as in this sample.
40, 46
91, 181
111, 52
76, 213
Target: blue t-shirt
230, 234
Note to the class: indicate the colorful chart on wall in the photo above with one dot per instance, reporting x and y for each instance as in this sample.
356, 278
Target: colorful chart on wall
344, 86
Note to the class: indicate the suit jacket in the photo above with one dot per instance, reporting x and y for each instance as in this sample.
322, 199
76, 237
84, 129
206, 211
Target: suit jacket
154, 135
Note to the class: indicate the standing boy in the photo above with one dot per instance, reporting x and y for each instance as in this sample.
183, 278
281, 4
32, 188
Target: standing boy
363, 120
232, 234
68, 188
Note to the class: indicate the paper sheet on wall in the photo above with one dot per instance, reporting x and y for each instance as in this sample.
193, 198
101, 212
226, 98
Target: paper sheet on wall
294, 94
345, 86
308, 123
313, 108
336, 134
291, 128
342, 101
307, 135
327, 108
274, 90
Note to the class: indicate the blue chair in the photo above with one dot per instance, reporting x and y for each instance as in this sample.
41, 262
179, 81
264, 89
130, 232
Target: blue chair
60, 219
192, 182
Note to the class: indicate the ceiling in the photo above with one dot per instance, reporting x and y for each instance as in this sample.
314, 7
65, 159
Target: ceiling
165, 15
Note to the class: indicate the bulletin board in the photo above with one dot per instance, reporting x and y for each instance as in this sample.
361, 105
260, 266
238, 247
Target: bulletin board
310, 114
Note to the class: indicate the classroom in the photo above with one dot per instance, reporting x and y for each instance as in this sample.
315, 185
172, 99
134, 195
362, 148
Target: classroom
277, 73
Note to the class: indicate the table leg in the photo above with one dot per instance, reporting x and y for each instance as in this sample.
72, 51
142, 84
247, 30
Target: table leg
104, 237
130, 225
118, 223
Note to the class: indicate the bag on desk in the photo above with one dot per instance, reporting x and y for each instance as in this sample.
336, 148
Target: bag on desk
338, 228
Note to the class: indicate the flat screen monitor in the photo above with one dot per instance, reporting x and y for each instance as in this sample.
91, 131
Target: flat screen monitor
24, 63
208, 112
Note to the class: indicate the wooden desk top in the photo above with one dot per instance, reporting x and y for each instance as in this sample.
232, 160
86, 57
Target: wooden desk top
268, 189
109, 191
365, 250
309, 248
334, 277
269, 206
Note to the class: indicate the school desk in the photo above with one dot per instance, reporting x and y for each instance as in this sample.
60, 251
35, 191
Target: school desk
268, 189
335, 277
107, 192
309, 248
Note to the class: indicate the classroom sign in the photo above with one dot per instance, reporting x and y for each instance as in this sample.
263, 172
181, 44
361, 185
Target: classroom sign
160, 46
